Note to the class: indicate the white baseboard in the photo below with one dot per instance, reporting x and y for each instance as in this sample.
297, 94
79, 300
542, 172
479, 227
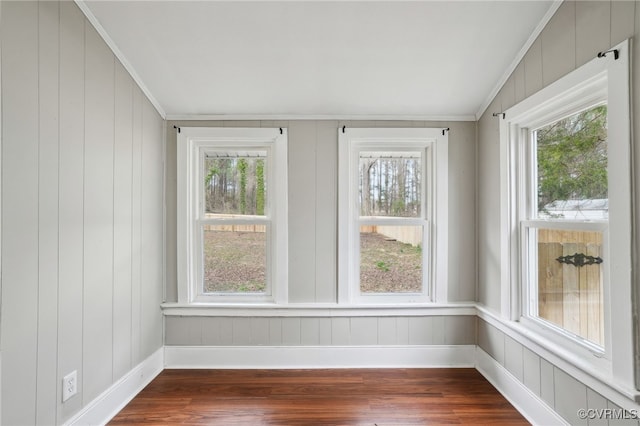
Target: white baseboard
110, 402
319, 356
525, 401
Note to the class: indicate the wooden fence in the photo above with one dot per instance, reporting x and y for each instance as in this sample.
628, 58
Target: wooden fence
571, 296
405, 234
236, 228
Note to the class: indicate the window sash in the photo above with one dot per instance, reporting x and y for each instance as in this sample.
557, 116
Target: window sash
194, 143
529, 261
424, 262
200, 294
433, 147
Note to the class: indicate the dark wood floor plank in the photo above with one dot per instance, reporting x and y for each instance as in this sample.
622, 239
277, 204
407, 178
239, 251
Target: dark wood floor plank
349, 397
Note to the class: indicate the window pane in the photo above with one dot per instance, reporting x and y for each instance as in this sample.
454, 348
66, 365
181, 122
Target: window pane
234, 258
570, 289
572, 167
235, 183
391, 259
390, 183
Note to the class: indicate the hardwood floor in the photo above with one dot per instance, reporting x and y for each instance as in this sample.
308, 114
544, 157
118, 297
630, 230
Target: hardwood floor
320, 397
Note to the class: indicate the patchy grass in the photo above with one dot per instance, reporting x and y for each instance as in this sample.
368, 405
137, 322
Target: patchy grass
389, 266
234, 262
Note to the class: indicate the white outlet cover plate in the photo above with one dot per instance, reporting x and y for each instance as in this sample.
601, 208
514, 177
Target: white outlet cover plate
69, 385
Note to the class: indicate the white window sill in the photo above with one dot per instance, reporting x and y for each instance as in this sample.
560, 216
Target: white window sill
315, 310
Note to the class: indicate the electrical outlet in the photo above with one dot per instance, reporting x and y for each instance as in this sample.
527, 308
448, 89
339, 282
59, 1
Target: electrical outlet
69, 385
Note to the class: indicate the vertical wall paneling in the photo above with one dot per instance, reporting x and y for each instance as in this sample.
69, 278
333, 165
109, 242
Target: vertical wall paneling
570, 396
309, 331
72, 164
324, 331
387, 333
420, 330
595, 401
209, 331
508, 93
152, 230
622, 21
71, 200
226, 331
487, 222
340, 331
184, 331
48, 50
533, 69
513, 358
364, 331
531, 371
462, 199
460, 330
326, 211
518, 82
275, 331
19, 211
559, 44
122, 203
259, 331
98, 216
242, 331
136, 226
171, 274
291, 331
302, 211
402, 330
491, 340
547, 386
593, 29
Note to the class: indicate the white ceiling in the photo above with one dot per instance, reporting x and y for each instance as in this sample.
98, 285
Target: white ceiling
424, 59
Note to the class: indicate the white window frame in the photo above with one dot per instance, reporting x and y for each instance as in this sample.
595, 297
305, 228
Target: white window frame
601, 79
192, 144
434, 144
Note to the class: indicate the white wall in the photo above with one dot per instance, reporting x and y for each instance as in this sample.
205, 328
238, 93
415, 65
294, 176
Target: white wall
576, 33
82, 214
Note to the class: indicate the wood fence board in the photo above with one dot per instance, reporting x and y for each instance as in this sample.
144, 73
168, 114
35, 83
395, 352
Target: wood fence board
594, 292
583, 295
571, 311
550, 297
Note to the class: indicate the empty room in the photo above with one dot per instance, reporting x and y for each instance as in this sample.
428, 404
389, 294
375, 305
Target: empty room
319, 212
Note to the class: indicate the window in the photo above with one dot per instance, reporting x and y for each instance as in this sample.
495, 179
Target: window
232, 214
392, 215
566, 223
566, 194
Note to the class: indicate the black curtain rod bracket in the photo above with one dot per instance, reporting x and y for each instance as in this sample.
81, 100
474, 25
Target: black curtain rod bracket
616, 54
280, 130
344, 129
496, 114
445, 130
177, 128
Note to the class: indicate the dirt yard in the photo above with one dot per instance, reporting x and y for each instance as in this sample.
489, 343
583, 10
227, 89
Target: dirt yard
389, 266
235, 262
